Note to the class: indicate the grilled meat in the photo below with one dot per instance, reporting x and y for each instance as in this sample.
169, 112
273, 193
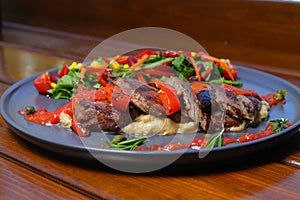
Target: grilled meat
141, 95
99, 115
190, 106
241, 111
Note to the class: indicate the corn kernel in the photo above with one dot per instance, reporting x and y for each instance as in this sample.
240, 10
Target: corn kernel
79, 65
126, 66
193, 54
73, 66
95, 64
53, 85
115, 64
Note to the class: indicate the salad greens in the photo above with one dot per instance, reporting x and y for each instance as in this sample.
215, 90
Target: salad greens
160, 64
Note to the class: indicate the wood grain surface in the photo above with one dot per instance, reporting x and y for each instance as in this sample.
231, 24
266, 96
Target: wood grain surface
241, 30
31, 172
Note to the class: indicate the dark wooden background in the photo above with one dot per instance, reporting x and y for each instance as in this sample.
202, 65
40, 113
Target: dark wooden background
240, 30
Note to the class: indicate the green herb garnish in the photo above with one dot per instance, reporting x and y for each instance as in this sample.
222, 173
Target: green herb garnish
278, 125
122, 143
183, 66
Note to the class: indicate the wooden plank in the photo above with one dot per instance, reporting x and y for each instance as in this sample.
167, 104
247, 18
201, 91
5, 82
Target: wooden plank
18, 182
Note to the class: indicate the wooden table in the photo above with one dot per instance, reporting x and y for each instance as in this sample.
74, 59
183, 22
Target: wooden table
30, 172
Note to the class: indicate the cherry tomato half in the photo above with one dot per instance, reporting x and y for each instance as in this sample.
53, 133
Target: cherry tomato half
42, 83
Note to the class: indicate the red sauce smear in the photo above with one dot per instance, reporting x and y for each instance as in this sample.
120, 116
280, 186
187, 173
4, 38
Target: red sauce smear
42, 116
197, 143
240, 91
272, 100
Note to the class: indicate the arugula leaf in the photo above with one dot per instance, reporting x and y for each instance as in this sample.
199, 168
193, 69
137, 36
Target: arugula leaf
153, 59
183, 66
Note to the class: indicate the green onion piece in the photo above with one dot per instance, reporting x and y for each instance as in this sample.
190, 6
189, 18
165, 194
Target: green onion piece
278, 125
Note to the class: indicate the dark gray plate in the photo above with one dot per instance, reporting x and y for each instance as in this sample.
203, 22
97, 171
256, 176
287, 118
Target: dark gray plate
64, 141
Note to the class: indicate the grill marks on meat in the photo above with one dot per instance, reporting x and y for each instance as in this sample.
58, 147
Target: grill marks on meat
101, 115
241, 111
141, 95
98, 115
190, 106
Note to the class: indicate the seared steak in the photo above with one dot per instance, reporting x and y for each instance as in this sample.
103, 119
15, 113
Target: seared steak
190, 106
141, 95
99, 115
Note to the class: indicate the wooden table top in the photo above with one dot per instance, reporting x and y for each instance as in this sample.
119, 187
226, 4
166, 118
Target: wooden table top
31, 172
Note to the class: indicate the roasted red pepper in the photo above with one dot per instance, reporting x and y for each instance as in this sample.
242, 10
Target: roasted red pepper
63, 71
42, 83
240, 91
42, 116
78, 129
170, 54
148, 52
168, 96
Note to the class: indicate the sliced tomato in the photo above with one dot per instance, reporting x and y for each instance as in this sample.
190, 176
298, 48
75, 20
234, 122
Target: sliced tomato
168, 96
42, 83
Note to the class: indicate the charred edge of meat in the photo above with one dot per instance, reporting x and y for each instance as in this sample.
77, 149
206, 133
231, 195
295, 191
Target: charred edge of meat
205, 97
241, 111
141, 95
191, 106
98, 116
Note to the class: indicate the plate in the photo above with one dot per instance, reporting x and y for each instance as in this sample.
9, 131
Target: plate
64, 141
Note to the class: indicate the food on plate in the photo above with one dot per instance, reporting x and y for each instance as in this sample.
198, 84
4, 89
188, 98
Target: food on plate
154, 92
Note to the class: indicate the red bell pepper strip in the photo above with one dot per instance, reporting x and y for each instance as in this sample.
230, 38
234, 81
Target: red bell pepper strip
148, 52
42, 116
63, 71
168, 96
170, 54
240, 91
42, 83
78, 129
